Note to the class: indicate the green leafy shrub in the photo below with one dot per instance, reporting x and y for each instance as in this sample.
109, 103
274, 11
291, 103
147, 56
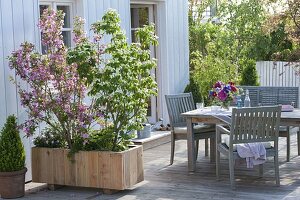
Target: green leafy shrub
249, 73
102, 140
50, 138
210, 69
12, 153
115, 74
125, 84
194, 88
295, 55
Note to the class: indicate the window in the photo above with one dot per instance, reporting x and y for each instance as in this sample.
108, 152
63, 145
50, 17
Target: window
67, 7
143, 14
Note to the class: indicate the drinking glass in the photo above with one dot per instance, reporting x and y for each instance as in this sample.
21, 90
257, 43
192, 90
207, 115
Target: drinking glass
200, 105
293, 104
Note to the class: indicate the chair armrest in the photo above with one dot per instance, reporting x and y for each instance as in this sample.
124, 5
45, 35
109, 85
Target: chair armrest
220, 130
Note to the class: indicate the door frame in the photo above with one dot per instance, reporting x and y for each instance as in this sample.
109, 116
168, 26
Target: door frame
152, 19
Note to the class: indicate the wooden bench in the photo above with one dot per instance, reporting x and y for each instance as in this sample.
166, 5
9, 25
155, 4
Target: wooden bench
269, 95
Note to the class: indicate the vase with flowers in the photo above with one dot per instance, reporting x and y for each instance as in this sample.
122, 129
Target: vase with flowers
223, 94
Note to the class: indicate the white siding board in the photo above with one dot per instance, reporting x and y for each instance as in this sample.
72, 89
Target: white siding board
8, 40
17, 23
31, 34
85, 9
185, 38
127, 16
176, 46
181, 44
170, 38
106, 5
123, 9
92, 14
114, 4
99, 9
2, 74
163, 60
19, 37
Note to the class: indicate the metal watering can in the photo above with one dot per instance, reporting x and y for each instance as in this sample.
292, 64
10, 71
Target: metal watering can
148, 128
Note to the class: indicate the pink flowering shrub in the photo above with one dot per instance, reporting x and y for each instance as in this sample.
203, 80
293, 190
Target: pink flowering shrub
118, 84
56, 92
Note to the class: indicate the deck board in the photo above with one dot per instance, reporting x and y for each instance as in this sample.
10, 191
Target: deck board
164, 182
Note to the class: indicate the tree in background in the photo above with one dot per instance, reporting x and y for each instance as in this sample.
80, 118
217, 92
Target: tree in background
249, 74
217, 48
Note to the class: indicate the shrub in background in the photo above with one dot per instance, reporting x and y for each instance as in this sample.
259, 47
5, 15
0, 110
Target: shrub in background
194, 88
12, 153
249, 73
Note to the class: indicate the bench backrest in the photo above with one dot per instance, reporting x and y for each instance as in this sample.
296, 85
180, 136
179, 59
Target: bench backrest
269, 95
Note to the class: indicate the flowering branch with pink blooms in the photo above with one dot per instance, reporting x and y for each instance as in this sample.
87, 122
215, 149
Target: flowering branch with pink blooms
56, 90
117, 86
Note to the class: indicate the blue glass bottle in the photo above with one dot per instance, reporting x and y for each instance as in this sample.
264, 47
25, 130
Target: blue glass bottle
239, 101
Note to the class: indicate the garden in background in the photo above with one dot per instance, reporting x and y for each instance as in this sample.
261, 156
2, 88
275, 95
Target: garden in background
227, 46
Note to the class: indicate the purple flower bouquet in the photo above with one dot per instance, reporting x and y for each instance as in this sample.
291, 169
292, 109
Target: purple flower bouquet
223, 94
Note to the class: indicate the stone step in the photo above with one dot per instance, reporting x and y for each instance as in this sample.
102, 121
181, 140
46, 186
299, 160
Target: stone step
157, 138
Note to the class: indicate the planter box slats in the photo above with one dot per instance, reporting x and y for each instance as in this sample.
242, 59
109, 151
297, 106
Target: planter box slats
109, 170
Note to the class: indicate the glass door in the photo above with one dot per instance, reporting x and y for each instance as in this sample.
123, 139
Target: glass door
143, 15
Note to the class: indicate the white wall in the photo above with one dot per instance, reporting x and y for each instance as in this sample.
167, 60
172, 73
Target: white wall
93, 10
174, 47
18, 19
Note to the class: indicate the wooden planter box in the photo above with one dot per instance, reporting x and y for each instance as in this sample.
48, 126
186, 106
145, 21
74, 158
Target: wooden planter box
97, 169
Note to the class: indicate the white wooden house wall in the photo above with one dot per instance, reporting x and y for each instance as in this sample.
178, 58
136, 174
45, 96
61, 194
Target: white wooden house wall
18, 23
18, 19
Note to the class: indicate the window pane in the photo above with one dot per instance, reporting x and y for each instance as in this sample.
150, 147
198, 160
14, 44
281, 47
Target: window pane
67, 38
42, 8
149, 108
67, 19
133, 36
139, 17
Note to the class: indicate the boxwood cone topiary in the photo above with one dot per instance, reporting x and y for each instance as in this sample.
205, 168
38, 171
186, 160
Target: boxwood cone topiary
12, 153
194, 88
249, 74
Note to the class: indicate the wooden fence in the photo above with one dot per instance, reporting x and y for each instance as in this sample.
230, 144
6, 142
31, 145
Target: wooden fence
277, 74
282, 74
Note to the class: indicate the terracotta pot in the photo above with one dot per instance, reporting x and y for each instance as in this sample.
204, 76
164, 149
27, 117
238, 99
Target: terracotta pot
12, 184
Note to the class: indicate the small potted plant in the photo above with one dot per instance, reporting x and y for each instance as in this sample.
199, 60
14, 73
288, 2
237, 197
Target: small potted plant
12, 161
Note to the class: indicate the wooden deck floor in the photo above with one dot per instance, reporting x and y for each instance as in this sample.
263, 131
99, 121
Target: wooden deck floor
164, 182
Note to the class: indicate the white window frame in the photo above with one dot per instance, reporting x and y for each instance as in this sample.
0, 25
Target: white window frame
152, 19
72, 4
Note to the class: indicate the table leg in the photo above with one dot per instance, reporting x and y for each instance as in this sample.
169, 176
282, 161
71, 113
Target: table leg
190, 145
298, 141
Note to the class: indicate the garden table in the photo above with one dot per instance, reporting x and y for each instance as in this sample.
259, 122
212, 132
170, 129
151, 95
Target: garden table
206, 115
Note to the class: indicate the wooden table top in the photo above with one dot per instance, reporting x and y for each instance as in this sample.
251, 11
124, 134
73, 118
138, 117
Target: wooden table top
207, 115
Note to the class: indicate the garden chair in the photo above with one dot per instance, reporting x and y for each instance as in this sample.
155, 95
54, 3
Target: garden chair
257, 124
272, 95
180, 103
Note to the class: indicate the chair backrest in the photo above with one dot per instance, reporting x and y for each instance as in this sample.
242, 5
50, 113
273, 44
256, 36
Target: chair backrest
272, 95
256, 124
177, 104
